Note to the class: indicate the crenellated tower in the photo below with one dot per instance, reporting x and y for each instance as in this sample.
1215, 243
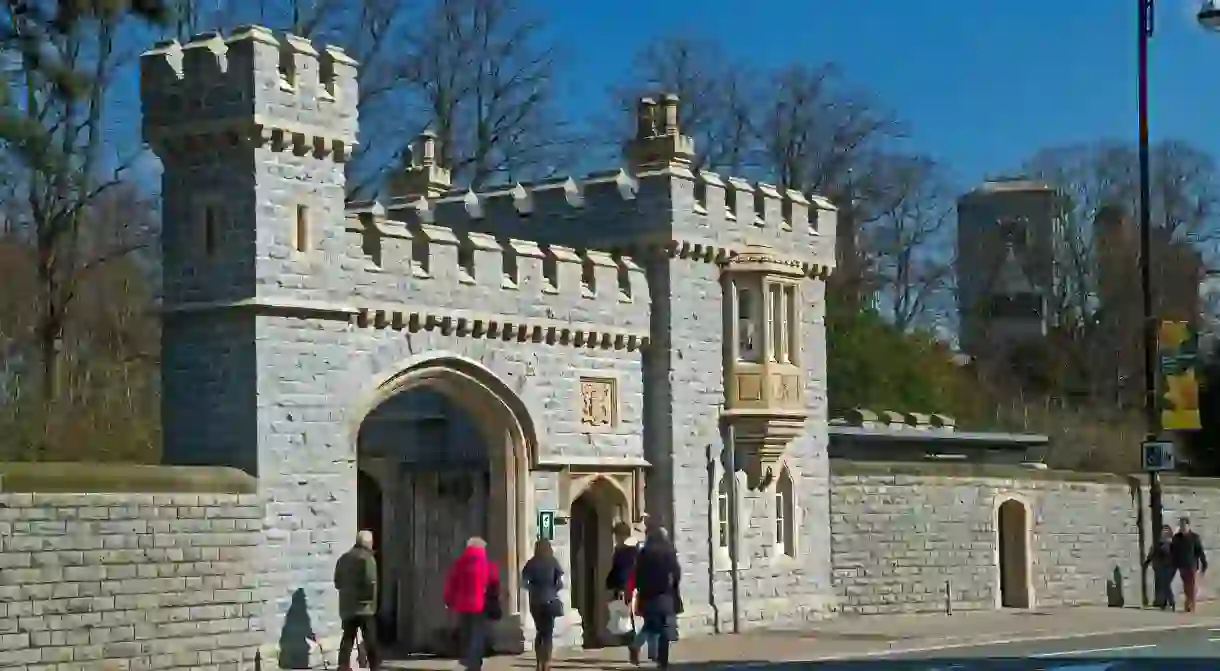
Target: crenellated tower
252, 132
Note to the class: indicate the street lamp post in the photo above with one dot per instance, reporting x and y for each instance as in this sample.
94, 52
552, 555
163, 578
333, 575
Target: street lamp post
1209, 17
1146, 22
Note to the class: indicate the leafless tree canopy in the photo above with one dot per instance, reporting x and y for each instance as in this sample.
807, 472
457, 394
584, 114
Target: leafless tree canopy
807, 128
910, 239
480, 73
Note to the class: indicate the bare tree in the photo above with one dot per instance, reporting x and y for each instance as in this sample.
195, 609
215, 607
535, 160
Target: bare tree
800, 127
909, 241
65, 175
31, 34
813, 132
480, 73
1096, 305
716, 96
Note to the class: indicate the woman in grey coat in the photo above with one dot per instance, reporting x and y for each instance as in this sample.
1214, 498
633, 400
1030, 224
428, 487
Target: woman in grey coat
543, 577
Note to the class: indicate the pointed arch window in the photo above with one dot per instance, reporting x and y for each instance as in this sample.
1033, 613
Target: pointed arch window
785, 512
722, 513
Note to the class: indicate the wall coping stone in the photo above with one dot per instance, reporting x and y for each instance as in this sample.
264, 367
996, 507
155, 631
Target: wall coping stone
841, 467
1175, 482
88, 478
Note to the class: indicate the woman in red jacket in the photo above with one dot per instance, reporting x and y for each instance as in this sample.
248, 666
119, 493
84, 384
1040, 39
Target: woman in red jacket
472, 590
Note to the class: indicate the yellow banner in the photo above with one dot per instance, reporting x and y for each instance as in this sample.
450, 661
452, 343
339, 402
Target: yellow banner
1178, 346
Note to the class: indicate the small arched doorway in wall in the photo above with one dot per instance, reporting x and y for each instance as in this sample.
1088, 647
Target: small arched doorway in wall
1012, 531
450, 449
595, 511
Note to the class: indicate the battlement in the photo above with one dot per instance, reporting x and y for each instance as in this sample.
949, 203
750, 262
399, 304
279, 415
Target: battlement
604, 208
740, 213
252, 85
549, 290
657, 201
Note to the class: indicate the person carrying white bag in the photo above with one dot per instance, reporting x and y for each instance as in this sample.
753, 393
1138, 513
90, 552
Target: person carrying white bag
620, 621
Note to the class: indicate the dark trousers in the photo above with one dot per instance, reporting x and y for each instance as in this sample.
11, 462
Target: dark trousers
367, 624
657, 625
1189, 587
544, 630
472, 628
1163, 580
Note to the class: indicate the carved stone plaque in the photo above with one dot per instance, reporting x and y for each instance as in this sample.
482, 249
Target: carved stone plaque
786, 389
598, 403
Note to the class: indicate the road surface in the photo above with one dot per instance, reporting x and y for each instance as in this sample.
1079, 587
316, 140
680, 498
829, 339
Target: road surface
1186, 649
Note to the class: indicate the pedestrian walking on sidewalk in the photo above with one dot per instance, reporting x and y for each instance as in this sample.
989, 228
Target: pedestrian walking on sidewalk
656, 583
356, 580
543, 577
1160, 558
472, 591
1190, 560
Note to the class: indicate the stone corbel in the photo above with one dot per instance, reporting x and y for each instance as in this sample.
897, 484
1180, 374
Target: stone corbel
760, 441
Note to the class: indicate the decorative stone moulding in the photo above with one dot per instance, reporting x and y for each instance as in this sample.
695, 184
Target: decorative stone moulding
764, 374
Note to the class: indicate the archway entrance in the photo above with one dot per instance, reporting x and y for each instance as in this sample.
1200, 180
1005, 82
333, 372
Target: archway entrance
594, 513
449, 454
1012, 529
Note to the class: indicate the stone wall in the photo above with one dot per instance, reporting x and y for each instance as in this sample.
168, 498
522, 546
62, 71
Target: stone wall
904, 533
143, 566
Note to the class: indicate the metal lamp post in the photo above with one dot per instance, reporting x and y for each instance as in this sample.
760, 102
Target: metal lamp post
1209, 18
1146, 22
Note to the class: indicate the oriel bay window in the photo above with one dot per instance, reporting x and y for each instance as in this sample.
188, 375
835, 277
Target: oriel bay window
764, 384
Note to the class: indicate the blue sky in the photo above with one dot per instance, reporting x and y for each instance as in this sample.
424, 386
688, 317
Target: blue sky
981, 83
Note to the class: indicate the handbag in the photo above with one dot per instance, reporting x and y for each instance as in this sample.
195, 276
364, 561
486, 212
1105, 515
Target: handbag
553, 608
491, 602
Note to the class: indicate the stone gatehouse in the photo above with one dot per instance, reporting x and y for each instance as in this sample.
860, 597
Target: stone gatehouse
446, 363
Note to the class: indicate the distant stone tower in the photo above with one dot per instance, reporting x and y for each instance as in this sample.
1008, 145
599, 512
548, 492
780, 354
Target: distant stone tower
252, 132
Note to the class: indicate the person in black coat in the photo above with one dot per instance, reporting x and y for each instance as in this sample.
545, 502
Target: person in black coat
656, 584
622, 561
1160, 558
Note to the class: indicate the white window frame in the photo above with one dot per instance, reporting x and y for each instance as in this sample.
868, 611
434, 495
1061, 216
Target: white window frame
786, 551
721, 559
740, 322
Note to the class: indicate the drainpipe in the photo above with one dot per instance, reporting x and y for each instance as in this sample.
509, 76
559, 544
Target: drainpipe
732, 469
711, 538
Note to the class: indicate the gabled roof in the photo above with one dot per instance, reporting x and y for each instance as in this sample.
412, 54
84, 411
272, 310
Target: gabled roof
1012, 280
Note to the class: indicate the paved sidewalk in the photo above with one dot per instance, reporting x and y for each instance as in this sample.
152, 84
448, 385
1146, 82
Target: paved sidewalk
867, 636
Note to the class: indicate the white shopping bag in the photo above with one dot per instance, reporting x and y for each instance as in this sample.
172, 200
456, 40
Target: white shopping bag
618, 621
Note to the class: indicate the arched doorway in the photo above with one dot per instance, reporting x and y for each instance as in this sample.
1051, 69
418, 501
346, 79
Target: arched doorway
594, 513
449, 445
1012, 529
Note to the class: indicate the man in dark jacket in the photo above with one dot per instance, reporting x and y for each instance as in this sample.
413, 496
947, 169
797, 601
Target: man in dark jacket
1190, 560
356, 580
657, 578
1160, 558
